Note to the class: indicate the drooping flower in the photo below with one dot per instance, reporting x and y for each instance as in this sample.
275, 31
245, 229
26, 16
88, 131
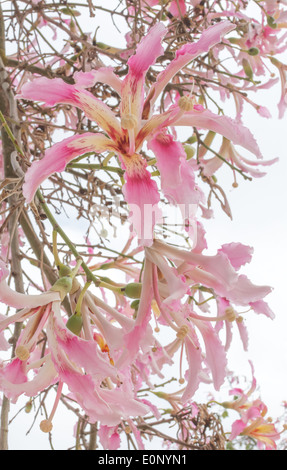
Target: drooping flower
228, 152
67, 358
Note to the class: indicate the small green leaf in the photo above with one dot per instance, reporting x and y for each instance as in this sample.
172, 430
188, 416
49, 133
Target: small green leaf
70, 12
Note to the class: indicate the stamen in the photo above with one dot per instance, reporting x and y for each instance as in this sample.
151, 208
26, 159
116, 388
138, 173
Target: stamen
181, 379
129, 121
182, 332
22, 352
230, 314
186, 102
46, 426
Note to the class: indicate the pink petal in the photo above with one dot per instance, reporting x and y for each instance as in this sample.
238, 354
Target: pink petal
82, 352
194, 359
186, 53
177, 176
142, 196
104, 75
109, 438
14, 381
243, 332
17, 300
215, 353
59, 155
223, 125
146, 54
216, 268
237, 428
56, 91
237, 253
177, 8
176, 287
260, 306
244, 291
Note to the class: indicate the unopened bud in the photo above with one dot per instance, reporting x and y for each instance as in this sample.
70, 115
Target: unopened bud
253, 51
271, 22
129, 121
28, 407
190, 151
133, 290
192, 139
135, 304
186, 103
46, 426
75, 324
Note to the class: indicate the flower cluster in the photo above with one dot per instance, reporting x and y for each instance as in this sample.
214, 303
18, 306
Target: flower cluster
103, 351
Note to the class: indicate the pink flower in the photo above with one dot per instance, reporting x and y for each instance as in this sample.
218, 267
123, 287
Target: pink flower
109, 437
256, 427
229, 153
127, 136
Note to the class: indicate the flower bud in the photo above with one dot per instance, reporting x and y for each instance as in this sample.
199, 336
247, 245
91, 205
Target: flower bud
75, 324
135, 304
271, 22
253, 51
192, 139
190, 151
133, 290
28, 407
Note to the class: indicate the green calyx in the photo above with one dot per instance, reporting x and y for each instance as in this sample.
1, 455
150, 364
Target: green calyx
63, 286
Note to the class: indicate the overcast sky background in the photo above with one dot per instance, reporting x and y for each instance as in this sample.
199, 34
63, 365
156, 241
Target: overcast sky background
259, 220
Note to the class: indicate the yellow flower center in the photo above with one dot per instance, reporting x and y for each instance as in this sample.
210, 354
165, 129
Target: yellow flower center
129, 121
22, 352
230, 314
46, 426
186, 102
182, 332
